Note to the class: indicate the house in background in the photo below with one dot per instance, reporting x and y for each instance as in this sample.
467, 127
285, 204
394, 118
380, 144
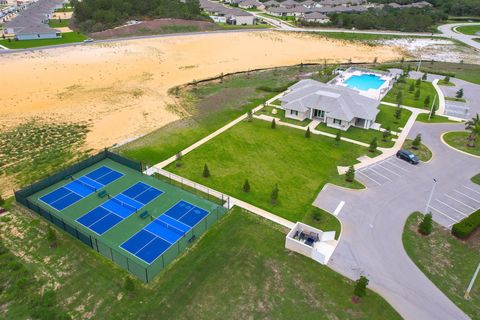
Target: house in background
336, 106
315, 17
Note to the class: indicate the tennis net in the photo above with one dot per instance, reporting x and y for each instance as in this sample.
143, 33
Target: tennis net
86, 185
169, 226
125, 205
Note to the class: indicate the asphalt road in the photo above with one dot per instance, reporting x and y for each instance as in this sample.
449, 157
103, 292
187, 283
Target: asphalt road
373, 220
447, 31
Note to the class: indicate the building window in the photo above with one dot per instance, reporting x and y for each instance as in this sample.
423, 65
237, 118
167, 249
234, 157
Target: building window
337, 121
294, 112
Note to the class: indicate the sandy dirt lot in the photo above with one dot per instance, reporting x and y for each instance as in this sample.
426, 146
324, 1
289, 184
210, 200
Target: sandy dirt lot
120, 89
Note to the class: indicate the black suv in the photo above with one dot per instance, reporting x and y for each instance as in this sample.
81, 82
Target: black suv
408, 156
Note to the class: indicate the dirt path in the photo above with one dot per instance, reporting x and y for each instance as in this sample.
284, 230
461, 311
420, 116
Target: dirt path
120, 88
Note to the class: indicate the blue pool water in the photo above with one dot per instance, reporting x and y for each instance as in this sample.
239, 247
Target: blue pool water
364, 82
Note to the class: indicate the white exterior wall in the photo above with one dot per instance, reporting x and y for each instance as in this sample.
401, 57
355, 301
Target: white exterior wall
248, 20
344, 126
301, 115
219, 19
36, 36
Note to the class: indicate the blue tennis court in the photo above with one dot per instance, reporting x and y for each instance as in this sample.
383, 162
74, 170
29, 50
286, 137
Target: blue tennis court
113, 211
160, 234
80, 188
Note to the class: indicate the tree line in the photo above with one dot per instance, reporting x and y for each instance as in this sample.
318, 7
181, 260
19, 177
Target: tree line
411, 19
98, 15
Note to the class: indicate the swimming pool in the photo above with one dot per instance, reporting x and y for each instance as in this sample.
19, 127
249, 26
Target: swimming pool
364, 82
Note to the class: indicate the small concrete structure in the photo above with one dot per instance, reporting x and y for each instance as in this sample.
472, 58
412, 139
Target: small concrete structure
311, 242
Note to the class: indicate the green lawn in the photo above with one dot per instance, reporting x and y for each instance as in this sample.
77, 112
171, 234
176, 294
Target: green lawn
423, 117
455, 99
265, 156
386, 117
239, 269
68, 37
476, 179
56, 23
458, 140
322, 220
280, 114
470, 30
210, 106
448, 262
359, 134
423, 153
444, 83
426, 89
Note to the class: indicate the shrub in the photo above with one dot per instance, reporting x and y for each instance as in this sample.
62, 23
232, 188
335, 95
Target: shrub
274, 195
425, 227
398, 114
129, 285
250, 116
206, 171
51, 237
417, 141
411, 88
424, 77
307, 133
246, 186
417, 94
418, 82
426, 102
459, 94
467, 226
386, 134
361, 287
178, 158
350, 175
447, 79
338, 137
274, 124
373, 145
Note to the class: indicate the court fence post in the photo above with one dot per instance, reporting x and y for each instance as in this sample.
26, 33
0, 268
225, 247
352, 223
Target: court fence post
146, 274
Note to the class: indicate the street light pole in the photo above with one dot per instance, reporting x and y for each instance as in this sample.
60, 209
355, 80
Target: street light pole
433, 106
431, 194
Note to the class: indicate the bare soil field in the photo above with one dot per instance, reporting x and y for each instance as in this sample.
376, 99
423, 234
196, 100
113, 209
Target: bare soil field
156, 26
119, 90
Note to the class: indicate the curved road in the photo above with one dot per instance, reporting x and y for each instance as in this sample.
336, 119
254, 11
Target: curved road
448, 31
373, 220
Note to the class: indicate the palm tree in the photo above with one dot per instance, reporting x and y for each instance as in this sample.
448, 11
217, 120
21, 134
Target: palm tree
473, 126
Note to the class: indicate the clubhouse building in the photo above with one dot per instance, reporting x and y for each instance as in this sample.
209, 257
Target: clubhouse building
336, 106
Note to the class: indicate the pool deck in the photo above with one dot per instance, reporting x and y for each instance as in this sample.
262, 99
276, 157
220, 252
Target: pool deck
374, 93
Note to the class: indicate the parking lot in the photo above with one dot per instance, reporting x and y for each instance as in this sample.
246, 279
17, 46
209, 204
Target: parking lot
457, 109
385, 171
450, 207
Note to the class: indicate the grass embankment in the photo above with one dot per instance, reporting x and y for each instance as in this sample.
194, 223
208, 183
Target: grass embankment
448, 262
207, 107
67, 37
33, 150
423, 117
442, 82
422, 152
239, 269
280, 115
225, 26
470, 30
458, 140
265, 156
455, 99
408, 97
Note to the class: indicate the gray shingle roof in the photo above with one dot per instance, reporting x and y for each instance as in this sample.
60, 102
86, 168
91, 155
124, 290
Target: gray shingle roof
34, 18
338, 102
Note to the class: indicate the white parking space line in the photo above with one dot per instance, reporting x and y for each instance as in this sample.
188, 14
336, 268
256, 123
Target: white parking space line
466, 196
447, 205
392, 172
446, 215
339, 207
399, 167
466, 205
471, 189
381, 175
363, 174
